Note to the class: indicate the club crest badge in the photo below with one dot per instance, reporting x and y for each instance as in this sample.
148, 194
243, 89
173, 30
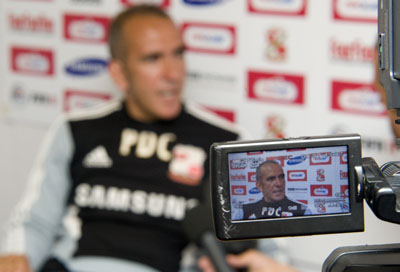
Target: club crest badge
186, 166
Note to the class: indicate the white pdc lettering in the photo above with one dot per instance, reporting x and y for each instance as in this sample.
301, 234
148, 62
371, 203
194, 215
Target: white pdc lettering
138, 201
162, 147
147, 144
270, 211
128, 139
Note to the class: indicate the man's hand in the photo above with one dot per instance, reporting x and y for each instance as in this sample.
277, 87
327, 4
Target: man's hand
253, 260
14, 263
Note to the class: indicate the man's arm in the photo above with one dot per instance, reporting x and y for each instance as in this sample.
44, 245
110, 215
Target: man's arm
14, 263
255, 261
37, 218
252, 260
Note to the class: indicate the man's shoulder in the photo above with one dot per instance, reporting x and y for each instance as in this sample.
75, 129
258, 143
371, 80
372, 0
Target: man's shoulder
252, 209
253, 204
293, 201
296, 203
97, 112
96, 120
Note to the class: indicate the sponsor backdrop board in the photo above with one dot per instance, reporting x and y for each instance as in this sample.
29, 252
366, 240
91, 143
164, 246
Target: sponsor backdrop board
278, 68
289, 68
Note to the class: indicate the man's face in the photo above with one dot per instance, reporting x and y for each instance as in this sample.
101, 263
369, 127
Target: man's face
272, 182
154, 68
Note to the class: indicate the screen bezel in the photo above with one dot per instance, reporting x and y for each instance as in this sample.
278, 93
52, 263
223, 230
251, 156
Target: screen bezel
227, 229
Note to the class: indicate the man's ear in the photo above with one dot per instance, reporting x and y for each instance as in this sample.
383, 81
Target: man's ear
116, 70
259, 186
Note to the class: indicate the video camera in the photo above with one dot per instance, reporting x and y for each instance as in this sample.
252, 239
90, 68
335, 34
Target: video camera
320, 173
325, 178
326, 174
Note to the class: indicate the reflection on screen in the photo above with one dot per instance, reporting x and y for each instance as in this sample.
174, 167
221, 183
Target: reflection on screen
314, 182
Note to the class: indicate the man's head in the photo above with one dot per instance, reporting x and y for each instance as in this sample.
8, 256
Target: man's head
271, 181
147, 62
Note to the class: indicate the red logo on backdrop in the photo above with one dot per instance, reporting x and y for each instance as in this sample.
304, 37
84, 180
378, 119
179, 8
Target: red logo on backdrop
251, 177
86, 28
275, 125
32, 61
254, 153
276, 48
343, 158
30, 23
237, 164
297, 175
343, 174
209, 38
355, 10
238, 177
320, 175
292, 8
344, 190
356, 98
304, 201
320, 158
352, 51
77, 100
161, 3
276, 88
280, 160
295, 149
226, 114
321, 190
238, 190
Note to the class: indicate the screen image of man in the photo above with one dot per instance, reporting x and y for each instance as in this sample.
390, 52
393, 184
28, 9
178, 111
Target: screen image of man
270, 180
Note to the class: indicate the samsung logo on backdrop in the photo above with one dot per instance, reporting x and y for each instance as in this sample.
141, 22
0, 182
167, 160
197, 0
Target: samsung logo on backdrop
254, 191
86, 67
296, 160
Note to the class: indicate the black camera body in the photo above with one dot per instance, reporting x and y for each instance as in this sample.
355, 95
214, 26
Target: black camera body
388, 51
335, 208
320, 174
